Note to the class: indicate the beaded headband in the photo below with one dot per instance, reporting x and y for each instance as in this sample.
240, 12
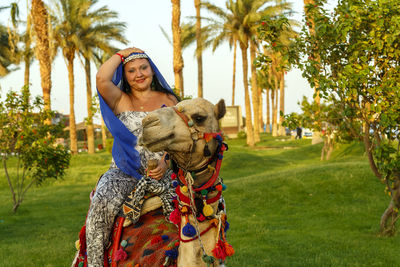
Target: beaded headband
134, 56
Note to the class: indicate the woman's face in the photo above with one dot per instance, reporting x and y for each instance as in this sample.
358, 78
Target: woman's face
138, 74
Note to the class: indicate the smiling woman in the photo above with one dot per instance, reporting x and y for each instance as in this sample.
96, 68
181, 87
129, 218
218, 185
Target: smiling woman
129, 86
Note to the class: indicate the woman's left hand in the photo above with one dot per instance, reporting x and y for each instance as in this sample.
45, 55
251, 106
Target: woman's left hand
158, 172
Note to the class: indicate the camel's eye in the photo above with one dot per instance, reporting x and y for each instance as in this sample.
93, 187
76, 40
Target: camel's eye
198, 119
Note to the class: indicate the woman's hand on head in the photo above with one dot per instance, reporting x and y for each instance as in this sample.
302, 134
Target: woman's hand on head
127, 51
158, 172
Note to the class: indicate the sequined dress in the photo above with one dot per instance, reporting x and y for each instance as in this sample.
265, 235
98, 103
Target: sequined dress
111, 191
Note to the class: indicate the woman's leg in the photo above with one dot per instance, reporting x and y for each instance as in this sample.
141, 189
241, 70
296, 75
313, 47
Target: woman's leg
111, 191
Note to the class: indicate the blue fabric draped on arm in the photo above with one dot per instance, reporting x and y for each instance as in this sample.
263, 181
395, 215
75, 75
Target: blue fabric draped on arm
125, 155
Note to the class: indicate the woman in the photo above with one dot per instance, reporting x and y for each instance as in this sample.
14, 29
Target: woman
124, 104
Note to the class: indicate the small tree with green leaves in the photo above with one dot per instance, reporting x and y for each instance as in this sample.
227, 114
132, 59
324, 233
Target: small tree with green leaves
28, 146
357, 47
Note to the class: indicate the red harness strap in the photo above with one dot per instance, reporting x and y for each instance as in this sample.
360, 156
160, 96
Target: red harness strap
186, 199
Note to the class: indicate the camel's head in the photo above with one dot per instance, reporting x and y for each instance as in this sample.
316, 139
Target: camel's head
179, 130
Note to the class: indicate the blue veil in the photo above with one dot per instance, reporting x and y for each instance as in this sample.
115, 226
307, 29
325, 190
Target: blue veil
124, 153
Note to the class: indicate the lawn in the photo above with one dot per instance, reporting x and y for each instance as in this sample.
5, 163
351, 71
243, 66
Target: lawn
285, 208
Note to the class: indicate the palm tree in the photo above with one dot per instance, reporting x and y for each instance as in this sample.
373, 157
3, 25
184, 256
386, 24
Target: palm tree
199, 50
6, 57
239, 23
94, 36
69, 20
177, 47
40, 26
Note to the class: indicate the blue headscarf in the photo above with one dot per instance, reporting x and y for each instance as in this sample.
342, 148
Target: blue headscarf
124, 153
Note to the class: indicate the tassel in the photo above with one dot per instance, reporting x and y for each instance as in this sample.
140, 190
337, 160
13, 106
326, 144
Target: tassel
229, 249
82, 240
226, 226
156, 240
219, 250
208, 259
201, 218
120, 255
175, 217
184, 189
124, 243
218, 187
189, 230
77, 244
207, 210
172, 253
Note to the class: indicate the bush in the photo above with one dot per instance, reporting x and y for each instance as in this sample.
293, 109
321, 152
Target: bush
241, 135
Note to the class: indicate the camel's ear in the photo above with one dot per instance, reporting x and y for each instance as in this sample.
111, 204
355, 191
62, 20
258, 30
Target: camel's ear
220, 109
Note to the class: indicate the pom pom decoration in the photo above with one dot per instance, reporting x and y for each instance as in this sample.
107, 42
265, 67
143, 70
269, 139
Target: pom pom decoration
175, 183
219, 250
218, 187
165, 237
223, 187
208, 259
120, 255
207, 210
173, 176
156, 240
175, 217
189, 230
77, 244
124, 243
226, 226
184, 189
172, 253
229, 249
201, 218
81, 264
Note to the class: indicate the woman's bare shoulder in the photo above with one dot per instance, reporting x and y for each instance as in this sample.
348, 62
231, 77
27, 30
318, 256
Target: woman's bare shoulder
166, 99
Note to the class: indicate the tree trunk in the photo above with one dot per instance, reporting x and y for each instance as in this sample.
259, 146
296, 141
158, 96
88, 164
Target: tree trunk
234, 73
249, 124
39, 17
199, 50
27, 62
89, 126
282, 131
27, 52
391, 214
254, 91
275, 110
177, 46
72, 125
268, 119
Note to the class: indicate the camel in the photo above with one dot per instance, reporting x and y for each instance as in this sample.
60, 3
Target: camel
189, 132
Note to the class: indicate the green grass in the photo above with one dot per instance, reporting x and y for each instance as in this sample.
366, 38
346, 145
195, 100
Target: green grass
285, 208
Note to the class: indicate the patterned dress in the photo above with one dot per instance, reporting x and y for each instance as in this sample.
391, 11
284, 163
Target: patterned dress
112, 189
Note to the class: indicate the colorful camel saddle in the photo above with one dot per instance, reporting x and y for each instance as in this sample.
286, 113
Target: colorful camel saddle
142, 233
154, 192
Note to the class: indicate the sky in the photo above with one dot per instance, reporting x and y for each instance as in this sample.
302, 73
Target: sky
143, 21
